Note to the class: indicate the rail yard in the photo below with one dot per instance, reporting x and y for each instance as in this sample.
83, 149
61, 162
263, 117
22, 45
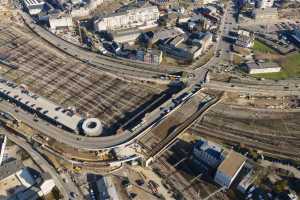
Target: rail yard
117, 106
68, 82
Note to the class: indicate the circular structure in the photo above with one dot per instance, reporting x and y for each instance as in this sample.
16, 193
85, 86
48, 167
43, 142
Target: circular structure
92, 127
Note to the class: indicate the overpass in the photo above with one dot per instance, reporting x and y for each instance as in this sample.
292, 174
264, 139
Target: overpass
92, 143
160, 137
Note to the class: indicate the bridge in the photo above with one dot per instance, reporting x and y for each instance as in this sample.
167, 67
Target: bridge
163, 135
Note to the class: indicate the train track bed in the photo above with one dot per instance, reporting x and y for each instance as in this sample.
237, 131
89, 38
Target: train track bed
276, 133
69, 82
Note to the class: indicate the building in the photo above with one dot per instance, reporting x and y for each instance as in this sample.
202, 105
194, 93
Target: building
177, 40
208, 153
265, 14
87, 9
47, 110
167, 33
3, 140
107, 189
246, 182
259, 68
206, 41
229, 169
265, 3
144, 17
202, 40
17, 183
294, 36
58, 22
164, 4
34, 7
176, 53
245, 39
126, 36
151, 56
195, 46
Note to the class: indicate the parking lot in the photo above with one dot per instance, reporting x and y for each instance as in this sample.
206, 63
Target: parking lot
68, 82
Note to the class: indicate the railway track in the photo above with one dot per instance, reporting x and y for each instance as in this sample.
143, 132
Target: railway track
232, 138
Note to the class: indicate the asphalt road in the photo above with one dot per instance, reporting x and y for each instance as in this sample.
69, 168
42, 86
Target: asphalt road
82, 142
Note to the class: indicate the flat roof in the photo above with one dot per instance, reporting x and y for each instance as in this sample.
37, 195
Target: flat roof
167, 33
232, 163
264, 65
40, 104
10, 168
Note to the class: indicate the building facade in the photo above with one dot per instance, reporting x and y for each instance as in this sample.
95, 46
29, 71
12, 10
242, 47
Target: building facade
209, 153
229, 169
129, 19
151, 56
265, 3
57, 22
34, 6
259, 68
3, 140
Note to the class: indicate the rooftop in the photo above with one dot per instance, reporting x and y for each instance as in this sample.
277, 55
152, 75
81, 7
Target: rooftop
262, 65
232, 163
10, 168
19, 93
210, 148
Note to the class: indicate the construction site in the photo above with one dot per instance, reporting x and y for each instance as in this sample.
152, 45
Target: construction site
69, 82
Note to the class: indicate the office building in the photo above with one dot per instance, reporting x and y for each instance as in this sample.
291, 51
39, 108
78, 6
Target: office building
34, 7
294, 36
245, 39
107, 188
259, 68
17, 183
209, 153
58, 22
3, 140
126, 36
265, 3
151, 56
246, 182
229, 169
137, 17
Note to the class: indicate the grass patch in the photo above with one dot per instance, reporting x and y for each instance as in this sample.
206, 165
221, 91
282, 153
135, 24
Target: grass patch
290, 68
260, 47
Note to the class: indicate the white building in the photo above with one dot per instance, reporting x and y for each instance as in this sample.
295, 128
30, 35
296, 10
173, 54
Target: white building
246, 182
3, 140
47, 186
245, 39
259, 68
86, 10
57, 22
146, 16
34, 6
208, 2
229, 169
265, 3
208, 152
107, 188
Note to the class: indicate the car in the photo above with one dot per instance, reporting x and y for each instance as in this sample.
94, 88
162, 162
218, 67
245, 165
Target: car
140, 182
73, 195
